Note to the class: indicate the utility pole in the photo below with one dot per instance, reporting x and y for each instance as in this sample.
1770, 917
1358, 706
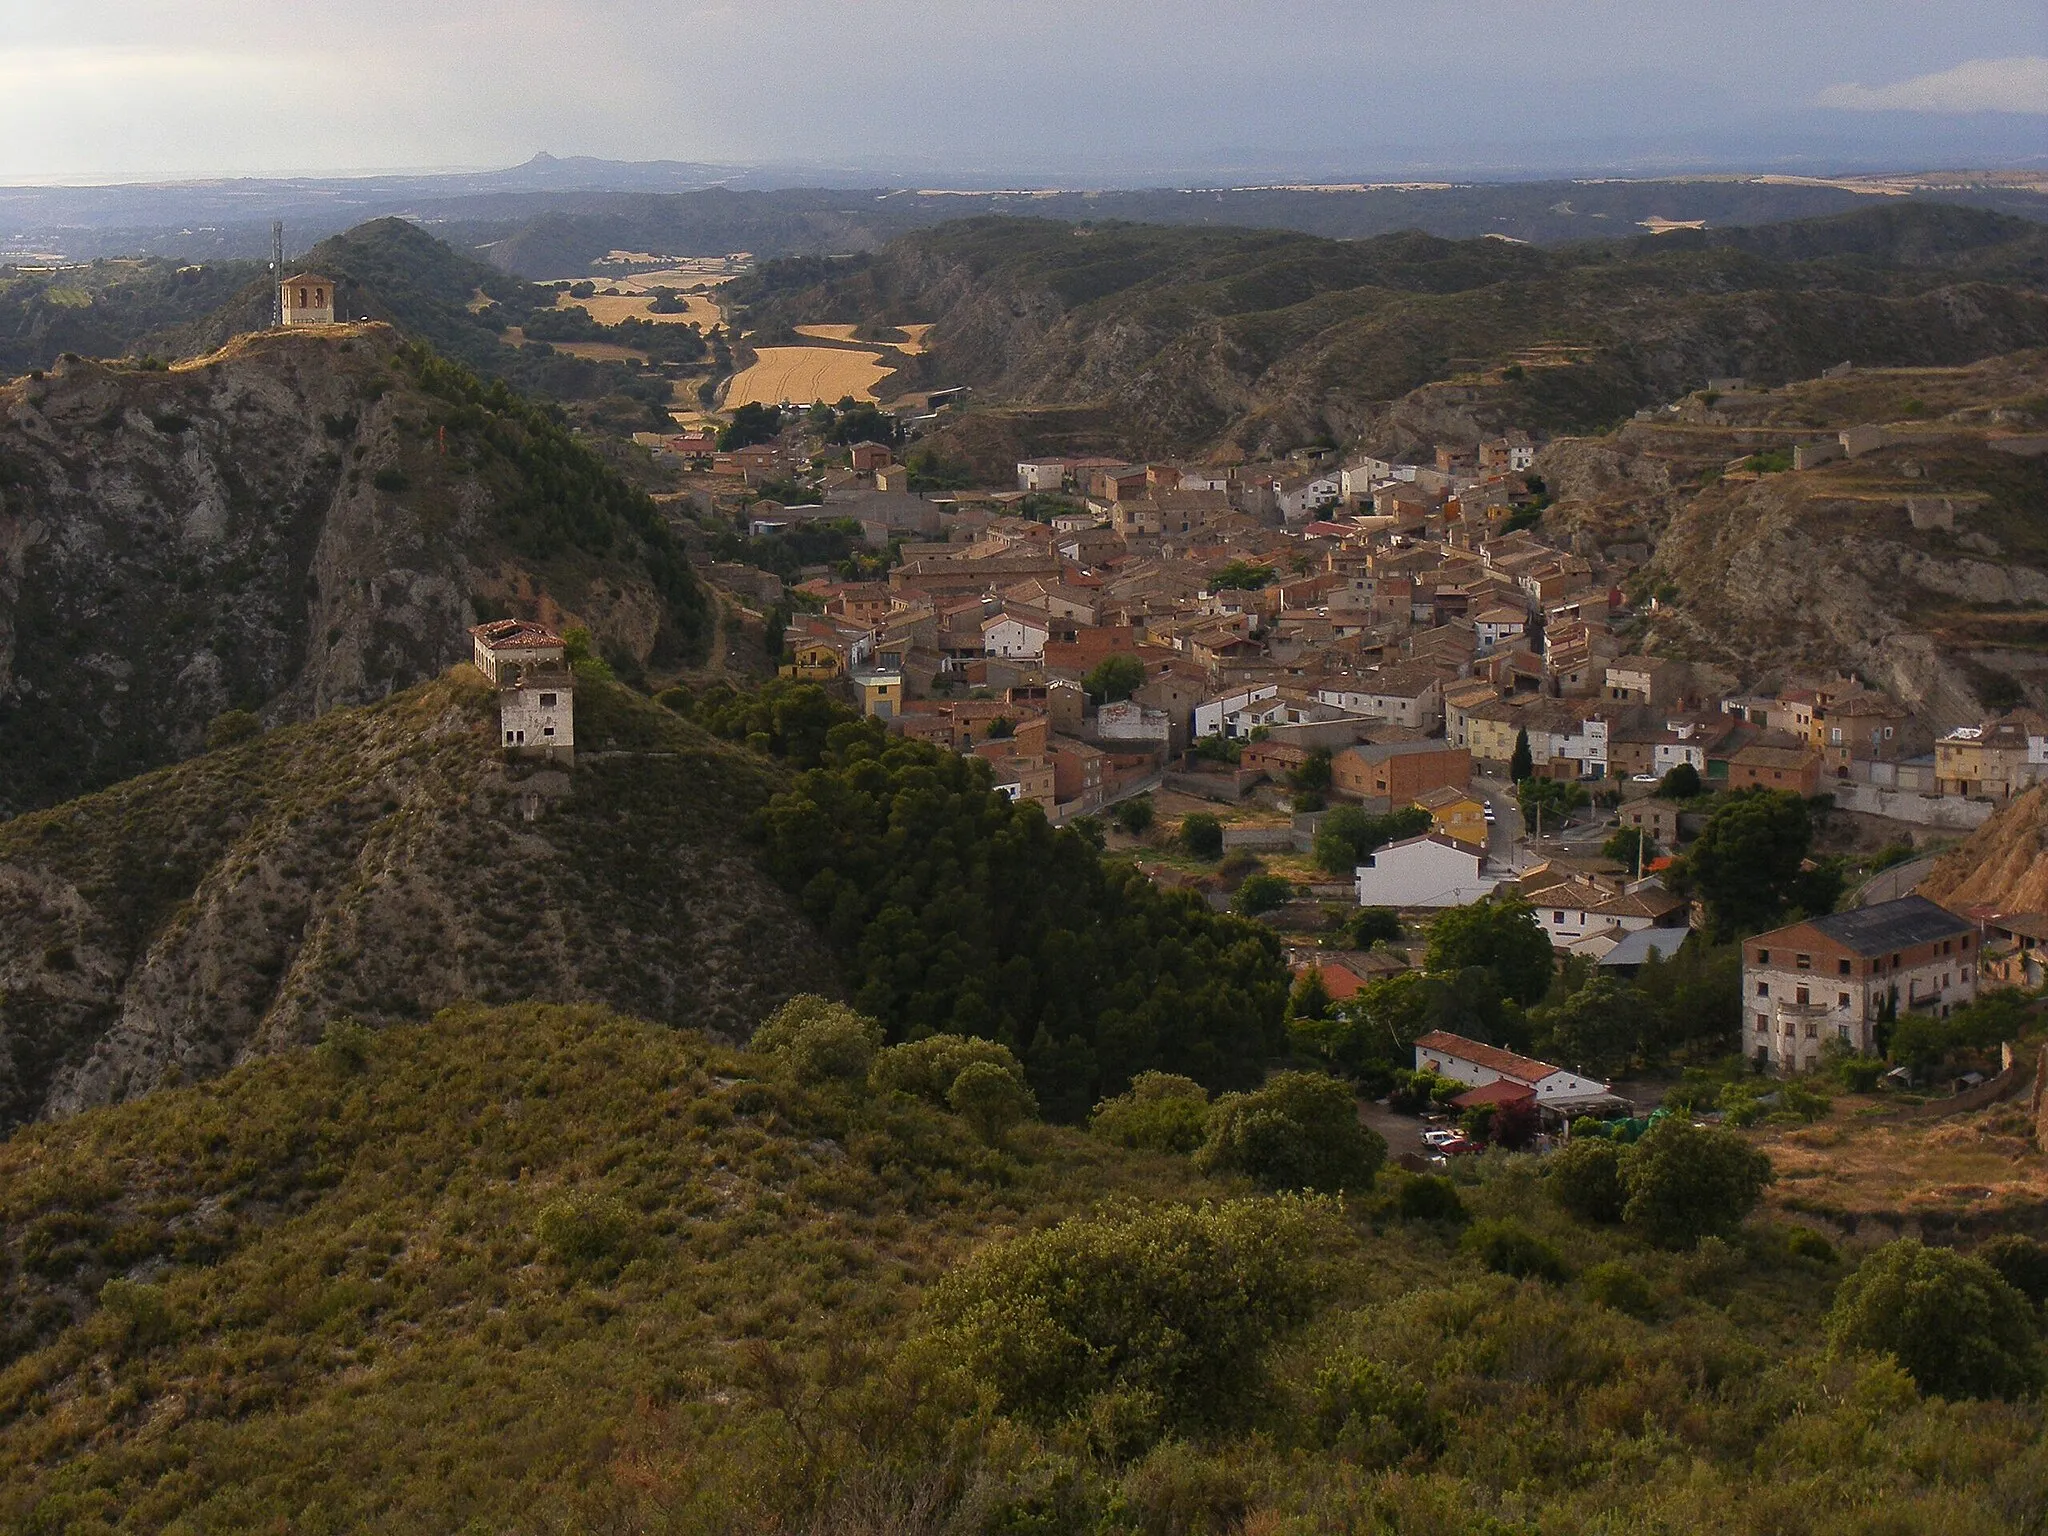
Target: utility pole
276, 273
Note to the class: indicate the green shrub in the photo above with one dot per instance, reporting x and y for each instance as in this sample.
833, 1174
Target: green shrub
1300, 1131
1373, 1413
1509, 1248
1202, 835
1805, 1243
927, 1068
345, 1044
231, 726
1263, 893
584, 1230
2021, 1261
133, 1317
1584, 1176
1428, 1197
820, 1039
1951, 1320
1620, 1288
1685, 1184
1160, 1113
1168, 1310
391, 480
991, 1098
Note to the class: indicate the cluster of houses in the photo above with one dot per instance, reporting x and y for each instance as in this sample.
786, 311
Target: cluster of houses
1393, 607
1394, 617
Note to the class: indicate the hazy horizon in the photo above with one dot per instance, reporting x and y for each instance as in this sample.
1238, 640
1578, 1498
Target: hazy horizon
1045, 92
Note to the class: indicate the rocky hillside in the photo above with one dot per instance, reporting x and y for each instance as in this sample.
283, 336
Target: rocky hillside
294, 522
1248, 342
382, 863
2003, 864
1922, 565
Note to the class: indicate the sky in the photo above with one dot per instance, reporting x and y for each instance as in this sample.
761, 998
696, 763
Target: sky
92, 90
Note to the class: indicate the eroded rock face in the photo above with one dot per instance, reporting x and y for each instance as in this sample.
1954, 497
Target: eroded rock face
381, 864
274, 528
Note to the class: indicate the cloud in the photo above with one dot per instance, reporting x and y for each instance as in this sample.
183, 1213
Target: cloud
1982, 85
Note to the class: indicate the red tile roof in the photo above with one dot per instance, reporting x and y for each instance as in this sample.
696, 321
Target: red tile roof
516, 634
1500, 1092
1522, 1069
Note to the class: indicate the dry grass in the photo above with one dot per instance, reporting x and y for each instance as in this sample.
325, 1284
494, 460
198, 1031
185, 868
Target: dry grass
916, 333
1856, 1163
828, 332
804, 374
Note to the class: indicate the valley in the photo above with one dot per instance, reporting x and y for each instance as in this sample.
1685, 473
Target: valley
580, 950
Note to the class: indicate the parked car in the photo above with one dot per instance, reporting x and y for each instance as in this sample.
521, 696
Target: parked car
1457, 1146
1440, 1138
1649, 778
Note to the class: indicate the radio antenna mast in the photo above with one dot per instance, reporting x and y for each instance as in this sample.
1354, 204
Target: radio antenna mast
276, 273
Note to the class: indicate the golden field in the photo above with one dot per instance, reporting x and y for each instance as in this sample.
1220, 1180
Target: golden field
804, 374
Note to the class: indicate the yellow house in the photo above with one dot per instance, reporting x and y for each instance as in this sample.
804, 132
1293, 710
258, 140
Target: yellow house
813, 661
881, 694
1456, 813
1490, 732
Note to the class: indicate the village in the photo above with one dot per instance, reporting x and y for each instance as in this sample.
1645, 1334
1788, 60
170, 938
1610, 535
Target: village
1149, 650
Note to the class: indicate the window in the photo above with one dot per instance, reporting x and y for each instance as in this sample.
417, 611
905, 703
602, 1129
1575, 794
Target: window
1812, 1030
548, 730
1763, 989
547, 701
1763, 957
1842, 1033
1845, 968
1964, 942
1763, 1024
1801, 996
1841, 999
1804, 962
508, 738
1557, 917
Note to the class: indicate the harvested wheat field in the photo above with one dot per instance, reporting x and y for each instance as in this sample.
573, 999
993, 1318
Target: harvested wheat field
910, 346
610, 309
804, 374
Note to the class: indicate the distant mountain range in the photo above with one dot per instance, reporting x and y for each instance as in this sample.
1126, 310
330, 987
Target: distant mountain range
552, 217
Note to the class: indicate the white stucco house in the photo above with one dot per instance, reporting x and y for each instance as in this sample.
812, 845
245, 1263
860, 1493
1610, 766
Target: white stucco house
1427, 871
1471, 1062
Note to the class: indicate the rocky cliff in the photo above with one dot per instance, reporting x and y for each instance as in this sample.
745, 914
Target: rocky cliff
300, 520
2003, 864
380, 863
1921, 565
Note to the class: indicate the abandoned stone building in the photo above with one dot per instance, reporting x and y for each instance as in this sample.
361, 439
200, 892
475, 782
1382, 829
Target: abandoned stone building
536, 688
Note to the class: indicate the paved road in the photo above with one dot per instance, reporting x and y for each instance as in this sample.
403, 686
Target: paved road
1890, 884
1506, 830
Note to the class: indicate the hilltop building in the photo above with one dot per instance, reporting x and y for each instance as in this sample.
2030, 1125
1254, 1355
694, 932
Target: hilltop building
308, 299
536, 688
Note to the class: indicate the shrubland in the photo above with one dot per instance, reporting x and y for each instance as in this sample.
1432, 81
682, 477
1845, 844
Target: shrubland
548, 1268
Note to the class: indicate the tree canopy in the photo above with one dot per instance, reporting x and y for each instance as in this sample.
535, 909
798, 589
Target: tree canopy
1746, 864
1300, 1131
1685, 1184
1500, 934
954, 910
1954, 1323
1347, 835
